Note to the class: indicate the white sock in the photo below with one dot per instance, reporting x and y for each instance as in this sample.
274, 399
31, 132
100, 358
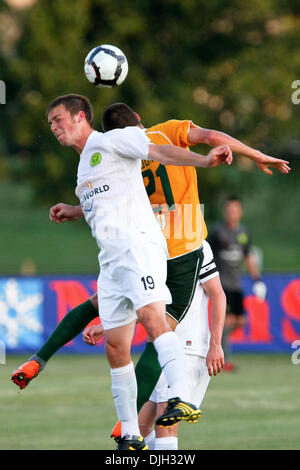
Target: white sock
150, 440
172, 362
166, 443
124, 391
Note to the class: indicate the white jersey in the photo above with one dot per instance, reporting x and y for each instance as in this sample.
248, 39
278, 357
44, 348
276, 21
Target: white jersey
112, 193
193, 331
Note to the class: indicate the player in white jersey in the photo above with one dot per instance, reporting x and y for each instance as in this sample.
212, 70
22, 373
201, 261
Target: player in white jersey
194, 335
133, 251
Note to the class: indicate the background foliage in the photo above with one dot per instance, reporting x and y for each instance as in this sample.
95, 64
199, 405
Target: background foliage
227, 65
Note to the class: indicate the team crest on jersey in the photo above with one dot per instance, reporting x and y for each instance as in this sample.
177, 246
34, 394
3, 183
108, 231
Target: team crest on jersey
242, 238
95, 159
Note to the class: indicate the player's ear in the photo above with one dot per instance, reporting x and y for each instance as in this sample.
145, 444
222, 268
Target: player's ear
80, 116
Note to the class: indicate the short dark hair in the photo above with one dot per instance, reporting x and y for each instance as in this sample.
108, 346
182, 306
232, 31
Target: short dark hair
74, 104
233, 198
118, 116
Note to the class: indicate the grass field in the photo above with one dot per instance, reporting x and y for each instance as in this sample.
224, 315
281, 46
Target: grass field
70, 407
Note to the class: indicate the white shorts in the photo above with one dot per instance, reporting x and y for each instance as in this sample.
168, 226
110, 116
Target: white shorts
135, 279
198, 378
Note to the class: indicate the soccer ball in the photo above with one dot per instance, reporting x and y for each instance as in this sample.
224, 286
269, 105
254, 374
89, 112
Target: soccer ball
106, 66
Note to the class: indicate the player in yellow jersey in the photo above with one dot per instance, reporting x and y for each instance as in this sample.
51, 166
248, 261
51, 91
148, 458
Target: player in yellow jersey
174, 195
173, 192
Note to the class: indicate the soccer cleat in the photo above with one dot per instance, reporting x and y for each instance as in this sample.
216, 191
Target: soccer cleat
178, 410
117, 431
132, 443
25, 373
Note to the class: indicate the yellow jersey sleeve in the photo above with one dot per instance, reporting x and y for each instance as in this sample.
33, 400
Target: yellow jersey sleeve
171, 132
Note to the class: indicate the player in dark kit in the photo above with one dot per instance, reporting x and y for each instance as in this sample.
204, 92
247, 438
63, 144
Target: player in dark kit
230, 242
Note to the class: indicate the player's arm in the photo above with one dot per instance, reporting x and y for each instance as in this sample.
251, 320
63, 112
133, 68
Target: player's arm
213, 138
173, 155
215, 355
63, 213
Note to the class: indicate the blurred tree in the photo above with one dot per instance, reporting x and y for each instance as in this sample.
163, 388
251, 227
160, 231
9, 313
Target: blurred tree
225, 64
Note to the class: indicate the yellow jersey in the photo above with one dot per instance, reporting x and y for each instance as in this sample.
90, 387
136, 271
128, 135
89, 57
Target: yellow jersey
173, 191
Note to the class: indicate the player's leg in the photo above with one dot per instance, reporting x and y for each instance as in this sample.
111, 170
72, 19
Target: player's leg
147, 416
198, 379
182, 278
124, 387
142, 275
165, 437
147, 372
172, 362
118, 318
69, 327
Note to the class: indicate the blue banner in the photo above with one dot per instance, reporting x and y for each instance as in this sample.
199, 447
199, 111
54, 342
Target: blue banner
30, 309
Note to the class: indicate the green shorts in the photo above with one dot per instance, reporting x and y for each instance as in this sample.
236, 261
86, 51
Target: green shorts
182, 278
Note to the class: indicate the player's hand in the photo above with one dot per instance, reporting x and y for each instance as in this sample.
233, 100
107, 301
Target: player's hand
219, 155
259, 289
93, 334
215, 359
265, 161
63, 213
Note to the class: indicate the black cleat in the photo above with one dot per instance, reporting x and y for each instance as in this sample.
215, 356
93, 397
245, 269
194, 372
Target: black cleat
178, 410
132, 443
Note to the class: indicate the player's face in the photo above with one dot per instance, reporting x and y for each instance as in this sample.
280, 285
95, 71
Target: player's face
62, 125
233, 212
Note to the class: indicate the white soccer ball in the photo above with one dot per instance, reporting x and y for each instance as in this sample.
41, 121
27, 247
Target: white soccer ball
106, 66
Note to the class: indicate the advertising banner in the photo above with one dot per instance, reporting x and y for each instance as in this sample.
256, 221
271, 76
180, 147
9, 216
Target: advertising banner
30, 309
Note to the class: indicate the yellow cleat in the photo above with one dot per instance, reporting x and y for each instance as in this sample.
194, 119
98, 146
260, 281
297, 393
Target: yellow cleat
178, 410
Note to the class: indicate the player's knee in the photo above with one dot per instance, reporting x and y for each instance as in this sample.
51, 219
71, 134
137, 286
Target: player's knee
118, 354
155, 326
154, 320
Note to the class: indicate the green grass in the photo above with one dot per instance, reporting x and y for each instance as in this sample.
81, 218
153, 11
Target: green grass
69, 406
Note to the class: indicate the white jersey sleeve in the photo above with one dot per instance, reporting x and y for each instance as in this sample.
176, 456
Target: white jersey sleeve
130, 142
209, 269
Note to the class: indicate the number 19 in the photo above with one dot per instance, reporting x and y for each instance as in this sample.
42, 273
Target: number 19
148, 282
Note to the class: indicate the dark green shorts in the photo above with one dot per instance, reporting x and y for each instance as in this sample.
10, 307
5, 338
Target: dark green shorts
182, 278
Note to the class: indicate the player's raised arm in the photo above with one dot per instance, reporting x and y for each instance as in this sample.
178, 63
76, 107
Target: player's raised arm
173, 155
212, 137
63, 213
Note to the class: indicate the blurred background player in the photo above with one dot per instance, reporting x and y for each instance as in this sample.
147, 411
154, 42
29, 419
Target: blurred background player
231, 245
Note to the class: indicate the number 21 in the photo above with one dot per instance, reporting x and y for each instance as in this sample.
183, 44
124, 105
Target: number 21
162, 174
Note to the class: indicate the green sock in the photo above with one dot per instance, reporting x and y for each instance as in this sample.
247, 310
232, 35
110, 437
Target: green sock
70, 326
147, 373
